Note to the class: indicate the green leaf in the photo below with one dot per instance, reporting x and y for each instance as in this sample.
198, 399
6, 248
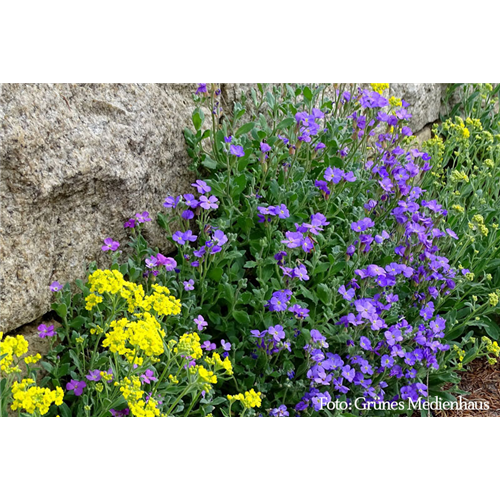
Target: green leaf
250, 264
324, 293
470, 355
240, 185
60, 309
285, 123
307, 93
241, 317
47, 366
75, 359
198, 118
215, 273
244, 129
209, 163
77, 322
65, 410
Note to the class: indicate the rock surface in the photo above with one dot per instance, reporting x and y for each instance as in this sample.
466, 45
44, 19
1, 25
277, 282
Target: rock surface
78, 160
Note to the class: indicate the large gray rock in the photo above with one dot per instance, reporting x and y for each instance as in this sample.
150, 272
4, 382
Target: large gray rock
76, 162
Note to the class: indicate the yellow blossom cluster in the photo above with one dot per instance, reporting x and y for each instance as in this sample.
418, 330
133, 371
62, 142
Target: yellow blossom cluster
491, 348
379, 87
131, 391
27, 396
188, 345
478, 223
162, 302
112, 282
458, 128
128, 338
457, 176
10, 347
250, 399
217, 361
395, 101
493, 299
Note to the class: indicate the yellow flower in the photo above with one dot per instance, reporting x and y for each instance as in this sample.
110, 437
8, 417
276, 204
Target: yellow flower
31, 360
92, 300
379, 87
250, 399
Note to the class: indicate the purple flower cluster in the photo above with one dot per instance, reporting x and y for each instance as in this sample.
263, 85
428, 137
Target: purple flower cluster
279, 300
271, 340
155, 261
307, 125
265, 213
300, 237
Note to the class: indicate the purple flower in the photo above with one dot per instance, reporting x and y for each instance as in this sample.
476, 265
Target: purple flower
202, 88
281, 211
225, 345
148, 377
144, 217
365, 343
301, 273
347, 294
208, 346
265, 148
334, 175
228, 139
318, 220
208, 203
298, 311
120, 413
387, 361
168, 262
406, 131
151, 262
189, 236
276, 332
319, 146
46, 331
130, 223
170, 202
236, 150
362, 225
188, 285
279, 412
76, 386
279, 300
109, 244
200, 322
202, 187
452, 234
187, 215
94, 375
191, 201
55, 286
178, 237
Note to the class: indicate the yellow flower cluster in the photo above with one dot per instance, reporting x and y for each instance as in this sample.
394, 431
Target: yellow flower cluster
10, 347
458, 128
92, 300
494, 298
458, 208
162, 302
457, 176
112, 281
27, 396
144, 335
395, 101
479, 220
188, 345
250, 399
491, 348
31, 360
217, 361
207, 377
379, 87
131, 390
